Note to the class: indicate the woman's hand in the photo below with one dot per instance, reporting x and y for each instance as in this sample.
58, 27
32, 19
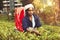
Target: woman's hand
33, 30
30, 29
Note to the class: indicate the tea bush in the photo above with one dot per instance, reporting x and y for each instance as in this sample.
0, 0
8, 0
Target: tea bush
8, 32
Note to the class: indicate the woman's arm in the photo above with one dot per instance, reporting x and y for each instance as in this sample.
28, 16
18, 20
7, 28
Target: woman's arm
33, 30
38, 23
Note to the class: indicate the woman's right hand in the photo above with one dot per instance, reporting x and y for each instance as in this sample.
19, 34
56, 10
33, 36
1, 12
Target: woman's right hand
30, 29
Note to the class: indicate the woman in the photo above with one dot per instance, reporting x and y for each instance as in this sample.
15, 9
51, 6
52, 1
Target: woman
30, 21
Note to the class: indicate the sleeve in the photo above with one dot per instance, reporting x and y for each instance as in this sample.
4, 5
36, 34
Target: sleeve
38, 23
24, 24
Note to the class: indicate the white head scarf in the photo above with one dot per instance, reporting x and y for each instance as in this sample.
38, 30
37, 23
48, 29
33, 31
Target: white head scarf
28, 6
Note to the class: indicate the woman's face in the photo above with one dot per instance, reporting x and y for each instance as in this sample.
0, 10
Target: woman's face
30, 11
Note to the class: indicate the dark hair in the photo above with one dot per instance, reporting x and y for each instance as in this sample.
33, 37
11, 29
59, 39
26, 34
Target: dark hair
26, 11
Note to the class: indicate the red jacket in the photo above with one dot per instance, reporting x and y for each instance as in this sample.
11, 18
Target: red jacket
19, 15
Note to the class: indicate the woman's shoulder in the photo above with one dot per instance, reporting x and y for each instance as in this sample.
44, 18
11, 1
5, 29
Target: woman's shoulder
25, 18
36, 16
